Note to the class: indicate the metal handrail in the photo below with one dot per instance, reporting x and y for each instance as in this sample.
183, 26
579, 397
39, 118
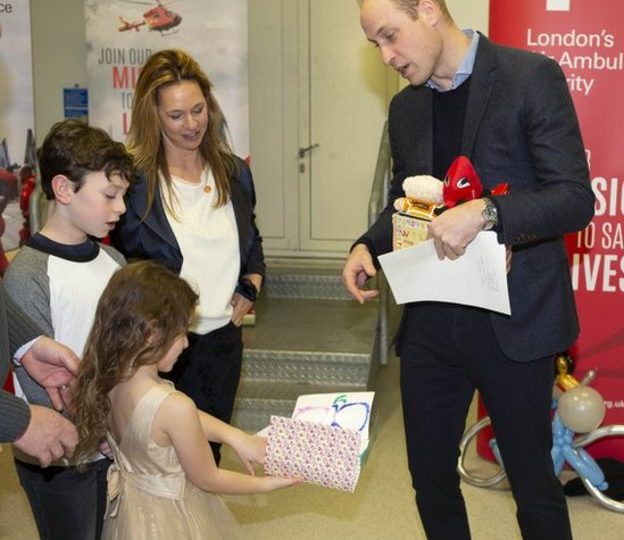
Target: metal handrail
376, 203
381, 180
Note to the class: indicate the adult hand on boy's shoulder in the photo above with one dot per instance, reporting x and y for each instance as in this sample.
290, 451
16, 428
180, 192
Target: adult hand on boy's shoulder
48, 436
53, 366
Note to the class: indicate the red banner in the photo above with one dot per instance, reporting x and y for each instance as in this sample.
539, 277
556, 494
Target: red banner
587, 39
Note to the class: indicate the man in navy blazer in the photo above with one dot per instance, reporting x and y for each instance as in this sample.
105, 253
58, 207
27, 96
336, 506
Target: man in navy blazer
511, 113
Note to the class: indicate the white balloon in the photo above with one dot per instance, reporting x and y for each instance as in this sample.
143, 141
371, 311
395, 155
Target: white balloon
581, 409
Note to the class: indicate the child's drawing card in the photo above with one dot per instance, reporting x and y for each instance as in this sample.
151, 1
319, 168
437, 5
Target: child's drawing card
347, 410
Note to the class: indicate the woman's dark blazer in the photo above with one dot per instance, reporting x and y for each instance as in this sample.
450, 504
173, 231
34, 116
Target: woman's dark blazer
153, 238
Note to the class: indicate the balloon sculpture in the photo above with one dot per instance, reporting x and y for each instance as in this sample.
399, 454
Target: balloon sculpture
579, 409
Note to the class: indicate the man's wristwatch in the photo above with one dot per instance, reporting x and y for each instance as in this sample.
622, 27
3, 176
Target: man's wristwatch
490, 214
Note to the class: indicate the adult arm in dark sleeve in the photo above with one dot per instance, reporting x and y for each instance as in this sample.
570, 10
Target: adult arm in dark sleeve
15, 330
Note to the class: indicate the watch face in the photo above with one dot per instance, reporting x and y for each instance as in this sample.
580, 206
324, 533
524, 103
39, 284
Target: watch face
490, 214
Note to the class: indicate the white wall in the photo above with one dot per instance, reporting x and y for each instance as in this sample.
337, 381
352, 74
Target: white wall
470, 13
59, 52
59, 57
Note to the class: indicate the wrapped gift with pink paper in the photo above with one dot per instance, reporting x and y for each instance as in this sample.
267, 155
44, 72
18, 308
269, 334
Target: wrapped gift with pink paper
321, 454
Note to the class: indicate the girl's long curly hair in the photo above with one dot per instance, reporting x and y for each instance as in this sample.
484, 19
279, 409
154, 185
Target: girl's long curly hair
141, 312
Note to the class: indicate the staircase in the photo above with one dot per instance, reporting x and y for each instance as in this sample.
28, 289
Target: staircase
309, 337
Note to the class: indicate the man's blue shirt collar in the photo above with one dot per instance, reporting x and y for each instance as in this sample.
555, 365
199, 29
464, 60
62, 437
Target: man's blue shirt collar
465, 67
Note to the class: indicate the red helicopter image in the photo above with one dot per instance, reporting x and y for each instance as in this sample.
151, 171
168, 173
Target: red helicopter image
158, 18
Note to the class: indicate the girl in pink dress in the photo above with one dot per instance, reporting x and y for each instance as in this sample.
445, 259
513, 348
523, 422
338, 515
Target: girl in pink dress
164, 479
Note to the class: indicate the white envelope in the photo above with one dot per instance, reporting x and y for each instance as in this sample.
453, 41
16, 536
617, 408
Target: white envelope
477, 278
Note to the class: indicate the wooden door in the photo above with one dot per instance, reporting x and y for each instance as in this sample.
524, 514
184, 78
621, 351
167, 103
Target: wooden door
318, 100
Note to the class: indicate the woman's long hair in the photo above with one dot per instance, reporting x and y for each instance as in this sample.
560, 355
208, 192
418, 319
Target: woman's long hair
162, 68
143, 309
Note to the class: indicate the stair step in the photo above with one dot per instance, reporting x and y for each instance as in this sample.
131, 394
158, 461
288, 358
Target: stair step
310, 341
305, 286
307, 367
305, 279
256, 401
312, 325
306, 340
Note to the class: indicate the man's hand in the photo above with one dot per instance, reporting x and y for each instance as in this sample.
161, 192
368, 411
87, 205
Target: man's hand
48, 436
455, 228
54, 367
358, 268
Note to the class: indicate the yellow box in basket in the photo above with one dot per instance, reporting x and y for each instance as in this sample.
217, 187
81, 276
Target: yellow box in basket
407, 231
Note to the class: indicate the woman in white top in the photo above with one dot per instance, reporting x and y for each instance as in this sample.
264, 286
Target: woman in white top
193, 210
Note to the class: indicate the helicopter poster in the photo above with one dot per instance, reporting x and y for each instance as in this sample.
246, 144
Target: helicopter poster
121, 35
16, 115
